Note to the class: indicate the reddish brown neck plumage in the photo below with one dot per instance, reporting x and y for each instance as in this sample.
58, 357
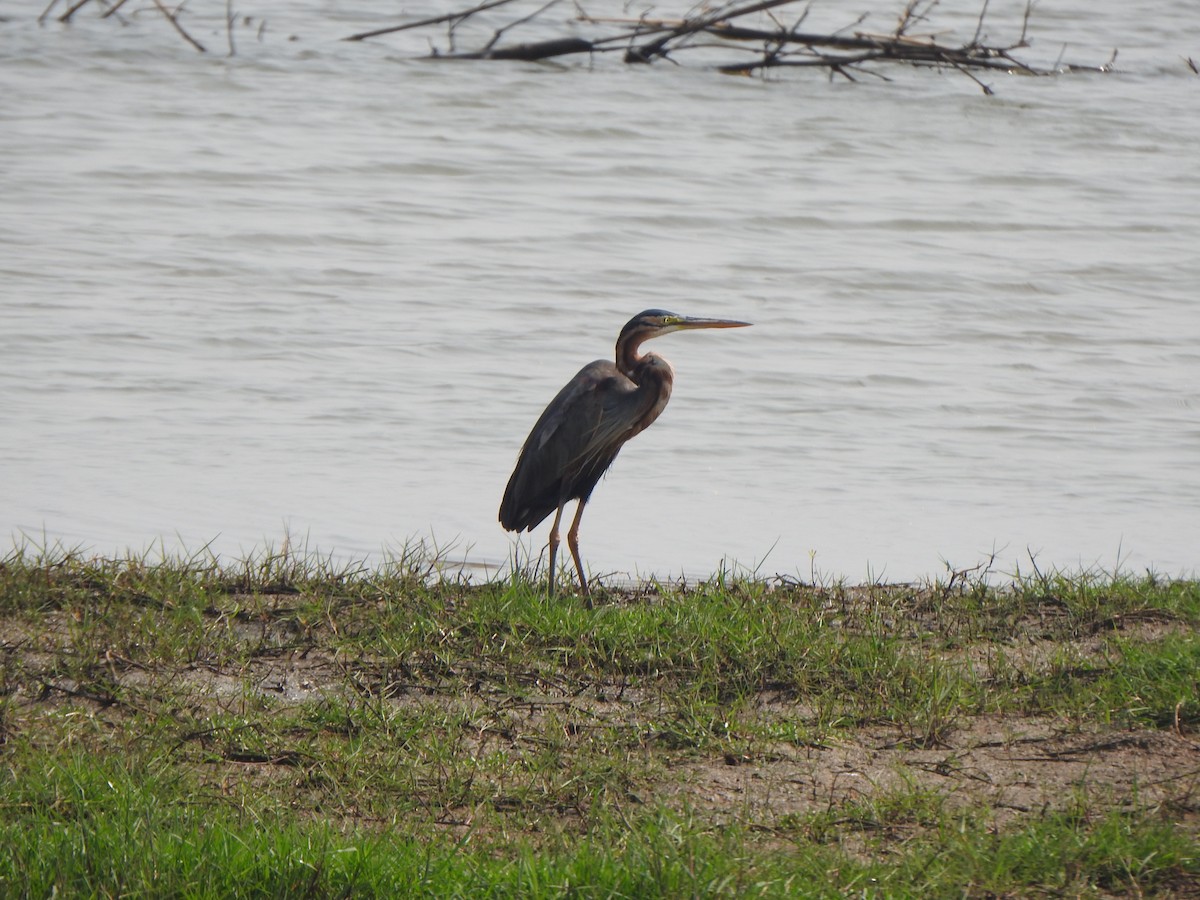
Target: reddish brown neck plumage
628, 358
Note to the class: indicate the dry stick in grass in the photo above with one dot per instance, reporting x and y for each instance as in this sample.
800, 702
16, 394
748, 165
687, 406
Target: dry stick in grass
175, 22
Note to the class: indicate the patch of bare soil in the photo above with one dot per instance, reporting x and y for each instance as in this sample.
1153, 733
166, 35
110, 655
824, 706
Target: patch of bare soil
1009, 764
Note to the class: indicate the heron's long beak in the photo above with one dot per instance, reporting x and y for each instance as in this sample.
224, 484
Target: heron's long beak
687, 322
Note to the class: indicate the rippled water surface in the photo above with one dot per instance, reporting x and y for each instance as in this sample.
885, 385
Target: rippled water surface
323, 288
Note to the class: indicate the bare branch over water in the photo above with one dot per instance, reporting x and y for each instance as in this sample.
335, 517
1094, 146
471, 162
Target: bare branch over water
753, 37
736, 37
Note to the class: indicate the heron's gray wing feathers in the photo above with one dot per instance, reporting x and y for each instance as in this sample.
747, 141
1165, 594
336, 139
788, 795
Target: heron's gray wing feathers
572, 443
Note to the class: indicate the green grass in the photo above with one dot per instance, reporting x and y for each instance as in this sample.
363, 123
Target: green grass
289, 726
87, 827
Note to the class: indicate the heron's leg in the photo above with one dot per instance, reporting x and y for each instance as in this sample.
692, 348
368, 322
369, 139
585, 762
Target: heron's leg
573, 543
554, 544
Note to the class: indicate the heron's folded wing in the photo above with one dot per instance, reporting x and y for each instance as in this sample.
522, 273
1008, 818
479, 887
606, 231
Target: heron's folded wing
571, 444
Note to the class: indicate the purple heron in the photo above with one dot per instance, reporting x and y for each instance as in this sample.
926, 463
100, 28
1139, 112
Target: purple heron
583, 429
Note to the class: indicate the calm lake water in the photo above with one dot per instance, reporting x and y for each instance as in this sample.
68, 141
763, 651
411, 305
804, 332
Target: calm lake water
324, 289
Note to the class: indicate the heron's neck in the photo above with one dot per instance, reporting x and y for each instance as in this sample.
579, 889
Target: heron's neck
654, 378
650, 372
628, 358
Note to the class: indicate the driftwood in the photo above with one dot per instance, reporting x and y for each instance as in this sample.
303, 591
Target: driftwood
112, 8
752, 33
171, 16
737, 37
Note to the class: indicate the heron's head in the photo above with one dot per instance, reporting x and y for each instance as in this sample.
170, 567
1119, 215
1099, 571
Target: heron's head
654, 323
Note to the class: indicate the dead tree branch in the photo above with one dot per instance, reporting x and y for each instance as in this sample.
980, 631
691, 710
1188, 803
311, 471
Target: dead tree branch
46, 12
71, 10
230, 16
739, 37
529, 18
532, 52
172, 17
114, 9
754, 29
424, 23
